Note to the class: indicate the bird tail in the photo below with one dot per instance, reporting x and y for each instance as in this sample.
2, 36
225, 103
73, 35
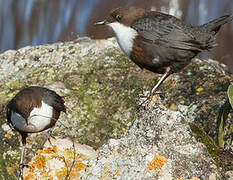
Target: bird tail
214, 25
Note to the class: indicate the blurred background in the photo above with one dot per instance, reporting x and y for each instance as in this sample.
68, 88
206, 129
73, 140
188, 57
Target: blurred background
36, 22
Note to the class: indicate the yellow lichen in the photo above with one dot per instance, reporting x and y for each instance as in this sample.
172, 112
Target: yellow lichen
28, 176
182, 102
173, 84
172, 106
79, 166
72, 173
194, 178
10, 170
200, 89
51, 150
26, 67
117, 172
114, 153
51, 71
15, 84
179, 178
39, 162
8, 135
157, 163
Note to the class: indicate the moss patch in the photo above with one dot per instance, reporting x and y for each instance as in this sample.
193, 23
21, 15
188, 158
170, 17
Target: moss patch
221, 157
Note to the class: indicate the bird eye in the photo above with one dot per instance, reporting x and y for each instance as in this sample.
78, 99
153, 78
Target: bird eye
118, 17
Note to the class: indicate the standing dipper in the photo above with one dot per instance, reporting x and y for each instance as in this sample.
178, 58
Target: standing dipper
159, 42
33, 109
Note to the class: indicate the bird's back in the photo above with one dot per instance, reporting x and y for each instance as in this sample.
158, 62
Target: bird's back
168, 41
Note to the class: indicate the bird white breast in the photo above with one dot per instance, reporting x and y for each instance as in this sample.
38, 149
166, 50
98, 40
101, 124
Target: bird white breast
37, 121
125, 36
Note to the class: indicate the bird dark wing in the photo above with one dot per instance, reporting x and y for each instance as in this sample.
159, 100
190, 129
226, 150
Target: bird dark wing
20, 106
166, 30
53, 99
8, 114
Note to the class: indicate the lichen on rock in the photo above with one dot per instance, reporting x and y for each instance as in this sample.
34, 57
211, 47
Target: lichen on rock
100, 87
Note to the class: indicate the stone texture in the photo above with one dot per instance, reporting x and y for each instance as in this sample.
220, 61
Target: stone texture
159, 145
100, 87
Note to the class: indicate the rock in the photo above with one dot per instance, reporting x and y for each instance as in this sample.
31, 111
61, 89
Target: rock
159, 145
198, 92
96, 80
64, 158
100, 87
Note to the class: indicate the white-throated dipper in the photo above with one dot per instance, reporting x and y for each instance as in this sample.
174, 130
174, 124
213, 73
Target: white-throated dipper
159, 42
33, 109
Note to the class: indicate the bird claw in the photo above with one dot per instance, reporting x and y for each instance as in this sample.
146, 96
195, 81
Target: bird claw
20, 171
48, 136
22, 165
146, 98
146, 101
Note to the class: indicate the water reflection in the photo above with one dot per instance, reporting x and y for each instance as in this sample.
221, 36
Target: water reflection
34, 22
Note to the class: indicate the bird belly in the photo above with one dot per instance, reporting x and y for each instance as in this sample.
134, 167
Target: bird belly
39, 119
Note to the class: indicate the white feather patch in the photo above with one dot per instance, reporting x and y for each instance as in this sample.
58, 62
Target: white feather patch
125, 36
39, 118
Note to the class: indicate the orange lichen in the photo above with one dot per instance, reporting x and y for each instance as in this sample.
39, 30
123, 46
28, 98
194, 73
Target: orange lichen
72, 173
179, 178
157, 163
39, 167
39, 162
49, 150
117, 172
28, 176
172, 106
79, 166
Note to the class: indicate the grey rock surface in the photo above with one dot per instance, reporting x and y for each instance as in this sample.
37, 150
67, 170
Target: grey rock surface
158, 136
100, 87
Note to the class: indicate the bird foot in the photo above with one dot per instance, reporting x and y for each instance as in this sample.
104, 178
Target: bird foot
48, 135
146, 98
20, 171
22, 165
144, 95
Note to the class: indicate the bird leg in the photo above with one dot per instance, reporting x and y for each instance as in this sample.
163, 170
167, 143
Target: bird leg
48, 136
22, 165
153, 90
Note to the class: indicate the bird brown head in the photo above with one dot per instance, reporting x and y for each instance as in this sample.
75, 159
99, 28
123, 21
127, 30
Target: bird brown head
123, 15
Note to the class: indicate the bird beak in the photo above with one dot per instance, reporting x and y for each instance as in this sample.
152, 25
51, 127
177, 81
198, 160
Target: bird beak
101, 23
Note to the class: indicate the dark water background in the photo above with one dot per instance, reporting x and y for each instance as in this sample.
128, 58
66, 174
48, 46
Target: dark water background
35, 22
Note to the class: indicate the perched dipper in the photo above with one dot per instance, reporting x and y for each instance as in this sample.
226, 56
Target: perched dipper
159, 42
33, 109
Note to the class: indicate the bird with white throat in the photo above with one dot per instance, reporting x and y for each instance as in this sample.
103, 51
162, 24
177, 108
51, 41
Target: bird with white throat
32, 110
159, 42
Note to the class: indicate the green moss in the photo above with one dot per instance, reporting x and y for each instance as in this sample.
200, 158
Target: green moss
104, 92
101, 100
221, 157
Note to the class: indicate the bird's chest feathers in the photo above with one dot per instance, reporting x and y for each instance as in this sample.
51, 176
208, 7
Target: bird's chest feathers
39, 119
125, 36
41, 116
